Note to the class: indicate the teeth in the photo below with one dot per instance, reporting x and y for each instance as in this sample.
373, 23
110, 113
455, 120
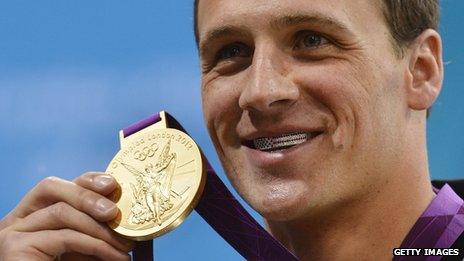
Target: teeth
281, 142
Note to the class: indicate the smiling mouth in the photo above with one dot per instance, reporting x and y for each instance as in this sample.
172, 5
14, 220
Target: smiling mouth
281, 142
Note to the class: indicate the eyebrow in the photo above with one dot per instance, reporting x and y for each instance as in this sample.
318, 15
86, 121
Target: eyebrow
316, 18
278, 24
218, 33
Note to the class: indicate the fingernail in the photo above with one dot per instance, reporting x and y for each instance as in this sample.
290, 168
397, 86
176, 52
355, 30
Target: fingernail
105, 205
102, 181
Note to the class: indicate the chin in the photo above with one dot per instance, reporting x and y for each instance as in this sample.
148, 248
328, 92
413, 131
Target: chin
282, 203
282, 213
273, 195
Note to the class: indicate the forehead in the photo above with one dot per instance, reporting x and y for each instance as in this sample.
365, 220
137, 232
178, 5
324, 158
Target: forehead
361, 15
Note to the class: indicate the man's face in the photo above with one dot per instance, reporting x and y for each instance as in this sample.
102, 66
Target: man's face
303, 100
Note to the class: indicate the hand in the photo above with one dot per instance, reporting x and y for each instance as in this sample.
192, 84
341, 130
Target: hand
63, 219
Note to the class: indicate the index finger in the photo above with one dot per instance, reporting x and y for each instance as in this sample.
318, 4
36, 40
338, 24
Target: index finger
52, 190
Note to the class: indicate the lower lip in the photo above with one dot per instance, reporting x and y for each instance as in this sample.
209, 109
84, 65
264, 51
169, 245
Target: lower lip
268, 159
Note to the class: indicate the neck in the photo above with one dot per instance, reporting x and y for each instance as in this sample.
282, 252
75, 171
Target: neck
369, 229
366, 229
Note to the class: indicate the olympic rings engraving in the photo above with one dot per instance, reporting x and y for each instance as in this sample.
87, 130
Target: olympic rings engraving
146, 152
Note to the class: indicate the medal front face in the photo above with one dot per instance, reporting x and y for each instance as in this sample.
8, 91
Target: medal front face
161, 178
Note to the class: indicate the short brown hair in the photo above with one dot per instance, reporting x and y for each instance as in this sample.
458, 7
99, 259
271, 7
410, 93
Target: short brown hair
406, 19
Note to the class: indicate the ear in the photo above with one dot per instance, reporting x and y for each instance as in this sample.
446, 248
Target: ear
425, 70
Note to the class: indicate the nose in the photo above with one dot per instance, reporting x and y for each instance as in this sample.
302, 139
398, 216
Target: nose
268, 88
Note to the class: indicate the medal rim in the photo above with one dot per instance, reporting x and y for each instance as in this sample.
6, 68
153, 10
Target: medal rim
181, 218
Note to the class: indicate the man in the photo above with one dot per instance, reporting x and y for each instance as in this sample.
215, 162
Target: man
318, 112
317, 109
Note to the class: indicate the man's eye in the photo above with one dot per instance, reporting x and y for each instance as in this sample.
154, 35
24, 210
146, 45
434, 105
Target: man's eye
232, 51
308, 39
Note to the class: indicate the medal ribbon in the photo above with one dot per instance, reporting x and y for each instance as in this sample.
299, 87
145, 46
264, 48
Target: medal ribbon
221, 210
440, 225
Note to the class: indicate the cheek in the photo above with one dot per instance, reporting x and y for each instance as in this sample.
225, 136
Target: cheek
363, 98
217, 99
345, 94
220, 109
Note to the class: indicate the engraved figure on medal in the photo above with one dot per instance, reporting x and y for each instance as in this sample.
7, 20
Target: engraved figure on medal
161, 178
153, 200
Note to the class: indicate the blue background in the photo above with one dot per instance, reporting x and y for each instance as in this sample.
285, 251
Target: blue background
72, 73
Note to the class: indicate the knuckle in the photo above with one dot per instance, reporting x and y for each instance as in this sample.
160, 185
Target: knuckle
10, 240
84, 178
87, 179
68, 239
49, 182
8, 221
59, 210
99, 245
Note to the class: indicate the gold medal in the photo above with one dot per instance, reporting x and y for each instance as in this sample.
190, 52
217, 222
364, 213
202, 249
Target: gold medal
161, 177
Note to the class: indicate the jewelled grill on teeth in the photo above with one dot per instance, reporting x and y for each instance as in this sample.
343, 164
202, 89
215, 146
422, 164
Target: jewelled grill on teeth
280, 142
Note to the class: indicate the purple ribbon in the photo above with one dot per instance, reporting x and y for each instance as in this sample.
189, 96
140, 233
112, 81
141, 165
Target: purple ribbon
221, 210
142, 124
440, 225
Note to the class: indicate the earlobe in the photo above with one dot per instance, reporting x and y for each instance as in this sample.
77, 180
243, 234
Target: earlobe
426, 69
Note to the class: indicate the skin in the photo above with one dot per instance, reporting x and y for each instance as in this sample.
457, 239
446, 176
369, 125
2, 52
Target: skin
273, 67
66, 220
